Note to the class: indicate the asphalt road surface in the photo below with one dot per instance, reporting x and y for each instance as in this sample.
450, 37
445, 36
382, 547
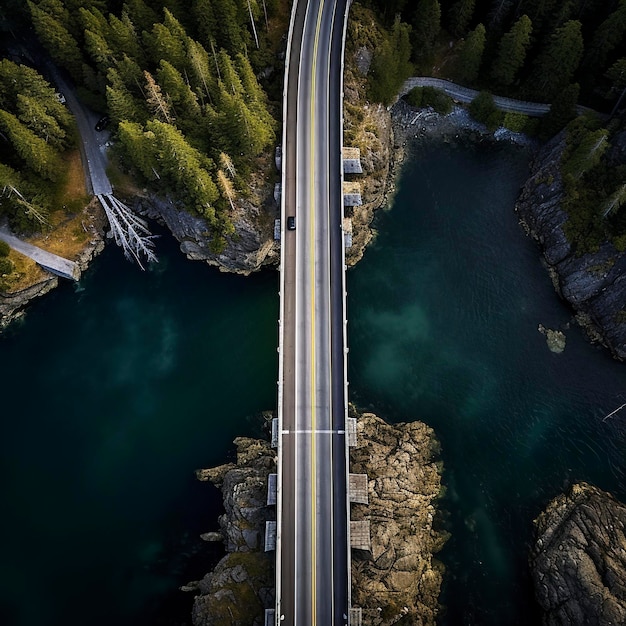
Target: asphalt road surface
92, 142
313, 551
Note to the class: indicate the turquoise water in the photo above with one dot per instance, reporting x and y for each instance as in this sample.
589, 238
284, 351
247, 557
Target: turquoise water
114, 391
443, 313
112, 394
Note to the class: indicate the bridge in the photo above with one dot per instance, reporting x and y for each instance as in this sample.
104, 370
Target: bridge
313, 528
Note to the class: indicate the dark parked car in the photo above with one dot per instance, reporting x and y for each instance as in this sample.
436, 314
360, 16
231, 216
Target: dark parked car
291, 222
102, 123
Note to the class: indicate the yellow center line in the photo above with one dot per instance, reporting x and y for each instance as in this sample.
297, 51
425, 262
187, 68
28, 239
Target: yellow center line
312, 279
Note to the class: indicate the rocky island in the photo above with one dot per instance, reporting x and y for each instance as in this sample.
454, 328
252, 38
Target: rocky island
398, 578
578, 561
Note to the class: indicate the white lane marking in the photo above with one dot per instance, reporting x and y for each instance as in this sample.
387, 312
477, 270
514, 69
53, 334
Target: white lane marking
313, 432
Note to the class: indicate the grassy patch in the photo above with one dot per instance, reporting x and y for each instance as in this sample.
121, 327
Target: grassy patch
25, 274
70, 231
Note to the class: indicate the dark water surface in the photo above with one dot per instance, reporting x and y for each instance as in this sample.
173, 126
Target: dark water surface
114, 391
443, 317
112, 394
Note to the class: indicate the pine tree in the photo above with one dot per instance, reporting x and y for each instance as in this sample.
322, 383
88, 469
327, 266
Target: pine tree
19, 79
255, 96
614, 202
606, 38
229, 35
35, 152
426, 26
121, 103
460, 16
391, 66
203, 79
470, 55
182, 164
587, 154
94, 21
562, 111
99, 50
156, 101
164, 44
140, 147
226, 188
128, 71
141, 15
512, 52
228, 74
123, 38
557, 62
179, 95
33, 113
205, 19
57, 40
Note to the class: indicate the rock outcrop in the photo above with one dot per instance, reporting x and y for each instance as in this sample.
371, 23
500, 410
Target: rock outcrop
593, 283
578, 562
367, 127
241, 586
397, 579
12, 304
251, 247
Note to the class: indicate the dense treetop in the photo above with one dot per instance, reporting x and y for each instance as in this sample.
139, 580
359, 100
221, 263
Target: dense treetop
179, 81
532, 48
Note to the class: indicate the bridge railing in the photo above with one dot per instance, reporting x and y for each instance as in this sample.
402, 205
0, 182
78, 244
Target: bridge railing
279, 478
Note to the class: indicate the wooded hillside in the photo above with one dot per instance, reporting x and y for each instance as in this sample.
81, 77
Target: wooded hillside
179, 81
529, 49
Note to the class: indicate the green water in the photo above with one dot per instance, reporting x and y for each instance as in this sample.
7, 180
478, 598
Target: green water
114, 391
443, 316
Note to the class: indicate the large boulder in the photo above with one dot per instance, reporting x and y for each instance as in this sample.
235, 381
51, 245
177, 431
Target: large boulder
578, 561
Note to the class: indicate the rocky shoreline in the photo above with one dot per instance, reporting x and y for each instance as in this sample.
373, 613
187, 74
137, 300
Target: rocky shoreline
594, 284
398, 578
13, 304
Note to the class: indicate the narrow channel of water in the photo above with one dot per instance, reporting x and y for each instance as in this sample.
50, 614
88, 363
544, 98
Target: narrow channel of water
443, 313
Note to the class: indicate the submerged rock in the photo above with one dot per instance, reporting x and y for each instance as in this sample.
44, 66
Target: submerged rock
554, 338
578, 562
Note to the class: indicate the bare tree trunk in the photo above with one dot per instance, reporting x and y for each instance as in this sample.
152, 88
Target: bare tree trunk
130, 232
256, 39
267, 24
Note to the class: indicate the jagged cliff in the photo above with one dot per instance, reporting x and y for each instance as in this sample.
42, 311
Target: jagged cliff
593, 283
578, 561
397, 579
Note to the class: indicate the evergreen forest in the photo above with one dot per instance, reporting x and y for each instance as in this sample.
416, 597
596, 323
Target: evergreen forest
178, 79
